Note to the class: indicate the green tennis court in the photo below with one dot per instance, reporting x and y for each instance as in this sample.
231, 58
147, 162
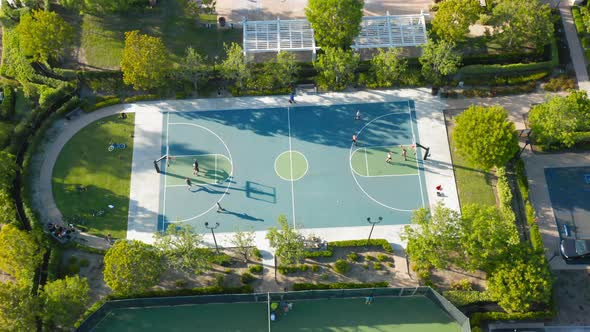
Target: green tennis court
384, 314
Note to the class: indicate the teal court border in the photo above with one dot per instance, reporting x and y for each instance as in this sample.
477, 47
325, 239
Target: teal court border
294, 144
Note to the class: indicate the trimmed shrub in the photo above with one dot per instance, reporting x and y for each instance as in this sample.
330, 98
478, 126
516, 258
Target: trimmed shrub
247, 278
362, 243
185, 292
463, 285
353, 257
382, 257
536, 239
142, 97
7, 108
256, 253
466, 297
255, 269
560, 83
69, 106
377, 266
315, 268
292, 269
338, 285
108, 102
320, 253
341, 266
477, 318
53, 266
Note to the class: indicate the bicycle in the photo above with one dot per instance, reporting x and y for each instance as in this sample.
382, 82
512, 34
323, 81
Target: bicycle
116, 146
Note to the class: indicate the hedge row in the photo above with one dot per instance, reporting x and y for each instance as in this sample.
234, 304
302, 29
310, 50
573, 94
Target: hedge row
54, 264
578, 21
462, 298
477, 318
349, 243
108, 102
505, 195
338, 285
142, 97
185, 292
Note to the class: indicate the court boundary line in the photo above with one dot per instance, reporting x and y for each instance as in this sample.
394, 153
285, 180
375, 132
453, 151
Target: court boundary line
416, 149
367, 163
166, 169
197, 155
291, 151
291, 162
231, 174
352, 169
366, 160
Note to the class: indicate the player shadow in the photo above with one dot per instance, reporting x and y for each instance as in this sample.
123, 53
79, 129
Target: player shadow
207, 189
244, 216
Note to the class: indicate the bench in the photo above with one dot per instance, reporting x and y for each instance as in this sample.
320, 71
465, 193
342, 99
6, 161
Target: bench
305, 88
73, 113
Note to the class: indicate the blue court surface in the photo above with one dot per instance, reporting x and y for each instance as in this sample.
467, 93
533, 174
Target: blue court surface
297, 161
569, 189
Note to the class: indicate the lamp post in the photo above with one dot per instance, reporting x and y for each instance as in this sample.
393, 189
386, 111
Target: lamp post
213, 233
373, 223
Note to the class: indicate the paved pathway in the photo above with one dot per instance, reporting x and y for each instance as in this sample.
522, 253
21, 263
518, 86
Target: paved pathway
576, 51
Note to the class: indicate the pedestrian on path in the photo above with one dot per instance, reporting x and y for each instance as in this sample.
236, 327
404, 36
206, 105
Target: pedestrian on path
292, 98
196, 168
404, 153
189, 184
357, 115
354, 139
439, 192
109, 238
219, 208
388, 159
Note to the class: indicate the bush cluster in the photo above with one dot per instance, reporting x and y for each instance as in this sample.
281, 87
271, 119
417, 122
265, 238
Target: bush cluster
255, 269
89, 107
247, 278
560, 83
142, 97
293, 269
341, 266
477, 318
7, 108
338, 285
362, 243
466, 297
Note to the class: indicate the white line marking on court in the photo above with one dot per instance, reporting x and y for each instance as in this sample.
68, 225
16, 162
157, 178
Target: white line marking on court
200, 155
353, 172
416, 149
293, 151
367, 162
291, 160
230, 158
165, 173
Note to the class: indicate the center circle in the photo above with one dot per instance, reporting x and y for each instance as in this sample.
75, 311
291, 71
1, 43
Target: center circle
291, 165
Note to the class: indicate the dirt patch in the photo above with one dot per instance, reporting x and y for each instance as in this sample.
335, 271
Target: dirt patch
444, 279
90, 266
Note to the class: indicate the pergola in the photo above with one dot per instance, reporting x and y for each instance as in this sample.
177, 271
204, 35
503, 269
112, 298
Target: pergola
297, 35
391, 31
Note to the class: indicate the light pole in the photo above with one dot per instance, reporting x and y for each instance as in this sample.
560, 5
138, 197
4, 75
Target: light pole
213, 233
373, 223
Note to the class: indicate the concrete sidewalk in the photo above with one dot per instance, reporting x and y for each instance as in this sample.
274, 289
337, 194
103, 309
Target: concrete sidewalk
576, 52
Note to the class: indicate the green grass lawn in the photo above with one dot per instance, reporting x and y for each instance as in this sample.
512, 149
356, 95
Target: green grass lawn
473, 184
86, 162
102, 38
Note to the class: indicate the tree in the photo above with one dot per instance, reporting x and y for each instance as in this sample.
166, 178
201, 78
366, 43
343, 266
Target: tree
8, 170
453, 18
192, 67
145, 61
561, 121
244, 242
521, 282
183, 249
485, 136
44, 35
106, 6
388, 67
520, 23
7, 208
18, 308
64, 300
335, 22
432, 239
285, 69
131, 266
439, 60
486, 237
234, 67
336, 68
20, 254
287, 242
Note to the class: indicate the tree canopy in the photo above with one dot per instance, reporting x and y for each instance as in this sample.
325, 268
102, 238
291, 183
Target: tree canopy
64, 300
453, 18
20, 254
518, 24
131, 266
145, 61
439, 59
336, 68
244, 242
234, 67
192, 67
183, 249
521, 282
485, 136
18, 308
335, 22
44, 35
561, 121
287, 242
388, 66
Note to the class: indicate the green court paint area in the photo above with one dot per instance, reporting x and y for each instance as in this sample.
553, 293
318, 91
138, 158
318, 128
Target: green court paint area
291, 165
373, 161
299, 162
384, 314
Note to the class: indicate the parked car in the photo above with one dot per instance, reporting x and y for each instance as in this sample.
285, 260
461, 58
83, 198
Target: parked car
575, 251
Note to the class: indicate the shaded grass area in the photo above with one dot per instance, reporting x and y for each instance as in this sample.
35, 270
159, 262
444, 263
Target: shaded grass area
407, 314
473, 184
102, 38
85, 162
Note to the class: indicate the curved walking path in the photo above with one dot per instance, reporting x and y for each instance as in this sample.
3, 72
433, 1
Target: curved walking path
43, 198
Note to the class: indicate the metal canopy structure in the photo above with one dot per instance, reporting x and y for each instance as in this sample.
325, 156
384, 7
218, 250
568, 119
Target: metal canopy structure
279, 35
297, 35
391, 31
